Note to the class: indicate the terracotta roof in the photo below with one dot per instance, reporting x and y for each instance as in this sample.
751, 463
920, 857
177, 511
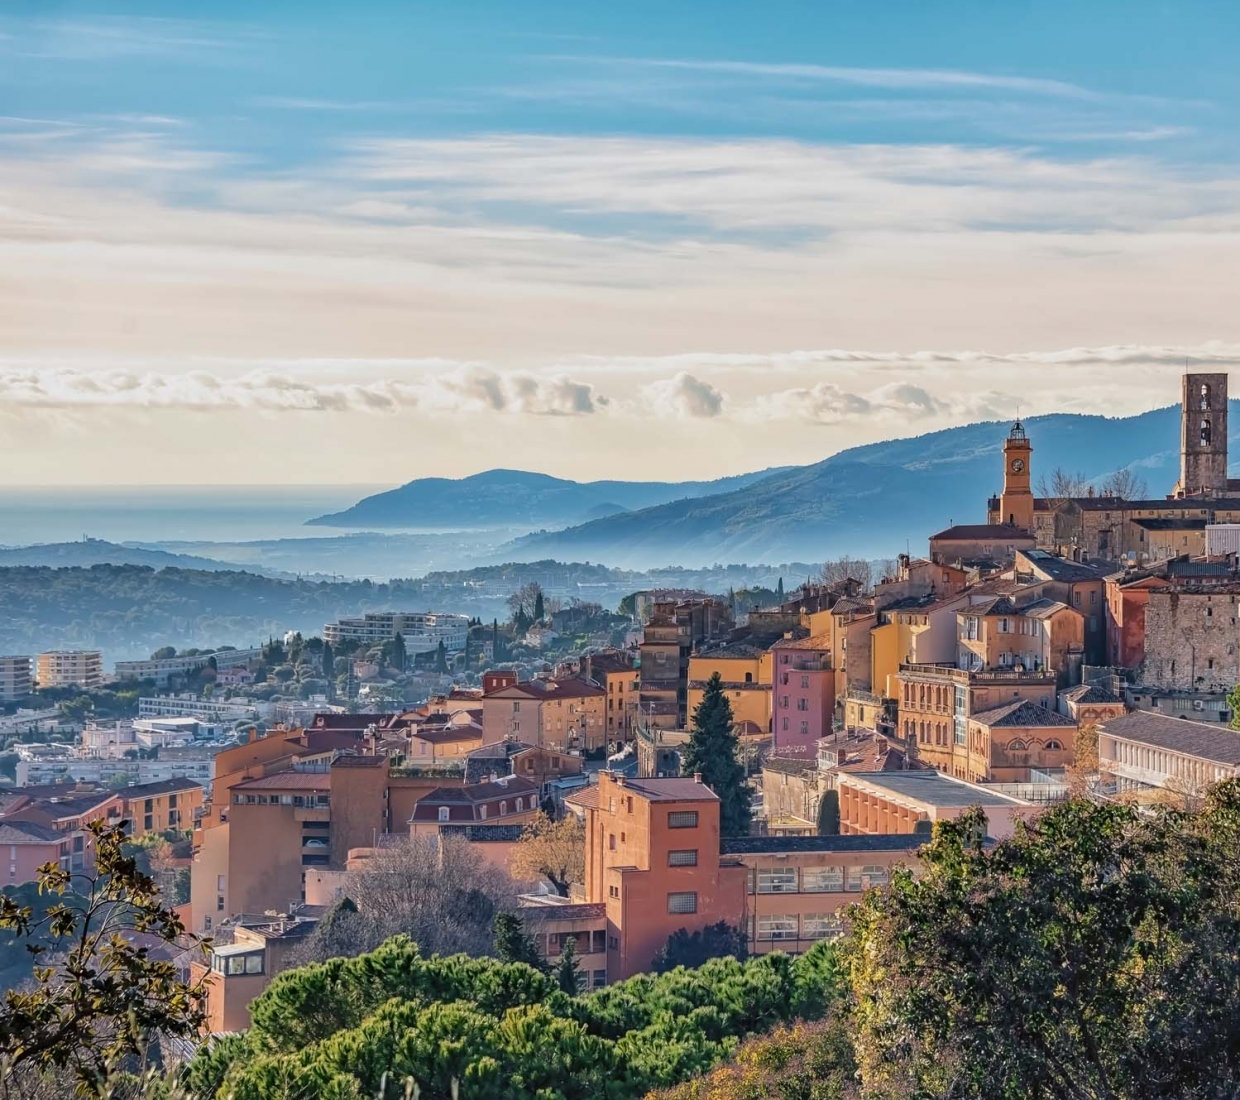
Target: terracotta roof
353, 760
1045, 608
568, 911
814, 641
671, 790
1206, 740
1089, 693
567, 688
1021, 715
973, 532
586, 798
28, 832
449, 734
290, 781
790, 765
477, 793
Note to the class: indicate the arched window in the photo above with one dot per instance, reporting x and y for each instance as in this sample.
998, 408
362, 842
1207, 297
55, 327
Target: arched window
503, 808
1017, 745
1205, 396
1205, 431
1053, 746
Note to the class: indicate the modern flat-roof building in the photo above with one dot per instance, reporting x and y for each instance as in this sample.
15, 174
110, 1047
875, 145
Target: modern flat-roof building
16, 681
903, 802
70, 668
190, 706
421, 631
1145, 751
163, 670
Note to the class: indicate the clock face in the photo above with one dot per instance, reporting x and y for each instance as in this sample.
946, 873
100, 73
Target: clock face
1018, 464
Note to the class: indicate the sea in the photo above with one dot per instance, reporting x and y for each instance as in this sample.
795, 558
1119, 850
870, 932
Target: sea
216, 513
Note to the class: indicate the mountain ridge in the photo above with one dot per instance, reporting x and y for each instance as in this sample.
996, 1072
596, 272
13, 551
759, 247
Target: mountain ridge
873, 500
504, 498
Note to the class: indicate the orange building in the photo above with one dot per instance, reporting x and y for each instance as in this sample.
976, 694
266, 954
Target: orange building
655, 863
158, 807
1008, 743
746, 672
560, 714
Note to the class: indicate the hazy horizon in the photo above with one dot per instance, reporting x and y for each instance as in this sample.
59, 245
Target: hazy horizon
329, 242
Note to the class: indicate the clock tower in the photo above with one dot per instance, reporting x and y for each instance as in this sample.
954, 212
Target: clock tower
1016, 503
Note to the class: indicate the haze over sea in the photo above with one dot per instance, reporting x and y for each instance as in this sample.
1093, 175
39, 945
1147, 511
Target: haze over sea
138, 513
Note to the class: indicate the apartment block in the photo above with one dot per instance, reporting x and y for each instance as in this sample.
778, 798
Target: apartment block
41, 827
70, 668
16, 681
803, 694
563, 714
159, 807
421, 631
745, 669
674, 630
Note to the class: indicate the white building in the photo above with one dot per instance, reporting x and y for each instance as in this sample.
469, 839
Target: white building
70, 668
190, 706
162, 732
36, 771
422, 631
1145, 750
162, 670
109, 740
16, 678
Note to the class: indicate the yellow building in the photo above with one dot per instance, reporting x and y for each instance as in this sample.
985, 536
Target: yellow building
158, 807
746, 672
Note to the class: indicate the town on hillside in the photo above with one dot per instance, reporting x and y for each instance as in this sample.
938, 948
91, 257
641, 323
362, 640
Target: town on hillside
624, 781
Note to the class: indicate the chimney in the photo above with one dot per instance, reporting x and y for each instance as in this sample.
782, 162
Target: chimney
253, 734
619, 780
697, 777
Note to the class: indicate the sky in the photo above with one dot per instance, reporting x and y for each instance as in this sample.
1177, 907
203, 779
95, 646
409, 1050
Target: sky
324, 243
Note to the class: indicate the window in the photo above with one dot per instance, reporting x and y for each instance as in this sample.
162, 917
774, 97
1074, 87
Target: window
503, 808
600, 979
1053, 746
822, 880
777, 880
443, 813
611, 842
818, 926
804, 728
613, 891
1209, 612
682, 857
520, 805
219, 903
206, 924
802, 704
777, 928
682, 903
749, 677
874, 875
148, 805
854, 880
148, 823
682, 819
482, 813
219, 883
785, 724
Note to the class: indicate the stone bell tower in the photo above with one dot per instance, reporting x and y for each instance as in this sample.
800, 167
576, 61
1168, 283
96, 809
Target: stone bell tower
1016, 503
1203, 437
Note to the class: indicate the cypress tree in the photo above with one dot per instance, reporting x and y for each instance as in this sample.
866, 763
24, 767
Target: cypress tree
567, 970
441, 657
779, 590
712, 751
513, 944
398, 652
829, 814
540, 608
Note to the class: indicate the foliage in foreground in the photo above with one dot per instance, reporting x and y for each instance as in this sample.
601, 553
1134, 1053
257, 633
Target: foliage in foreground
359, 1028
100, 994
1094, 956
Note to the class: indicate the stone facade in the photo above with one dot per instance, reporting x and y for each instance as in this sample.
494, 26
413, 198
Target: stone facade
1191, 638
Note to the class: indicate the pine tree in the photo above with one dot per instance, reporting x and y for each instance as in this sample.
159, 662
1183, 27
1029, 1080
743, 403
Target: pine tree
540, 608
712, 752
566, 973
513, 944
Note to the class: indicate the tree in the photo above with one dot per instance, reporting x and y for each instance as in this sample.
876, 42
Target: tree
1233, 705
540, 607
102, 995
715, 941
328, 662
1062, 485
779, 590
512, 943
439, 891
163, 653
829, 813
523, 602
399, 656
843, 570
1126, 484
441, 657
712, 752
567, 972
1095, 954
554, 850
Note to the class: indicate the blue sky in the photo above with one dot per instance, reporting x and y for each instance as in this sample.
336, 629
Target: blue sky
547, 234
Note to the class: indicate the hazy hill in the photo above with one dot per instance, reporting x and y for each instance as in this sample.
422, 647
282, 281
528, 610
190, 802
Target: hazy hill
500, 498
868, 500
87, 552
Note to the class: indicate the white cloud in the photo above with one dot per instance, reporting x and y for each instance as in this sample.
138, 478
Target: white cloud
463, 390
828, 403
684, 397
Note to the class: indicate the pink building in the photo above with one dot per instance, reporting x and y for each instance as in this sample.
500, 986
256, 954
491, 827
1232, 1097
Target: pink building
803, 706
